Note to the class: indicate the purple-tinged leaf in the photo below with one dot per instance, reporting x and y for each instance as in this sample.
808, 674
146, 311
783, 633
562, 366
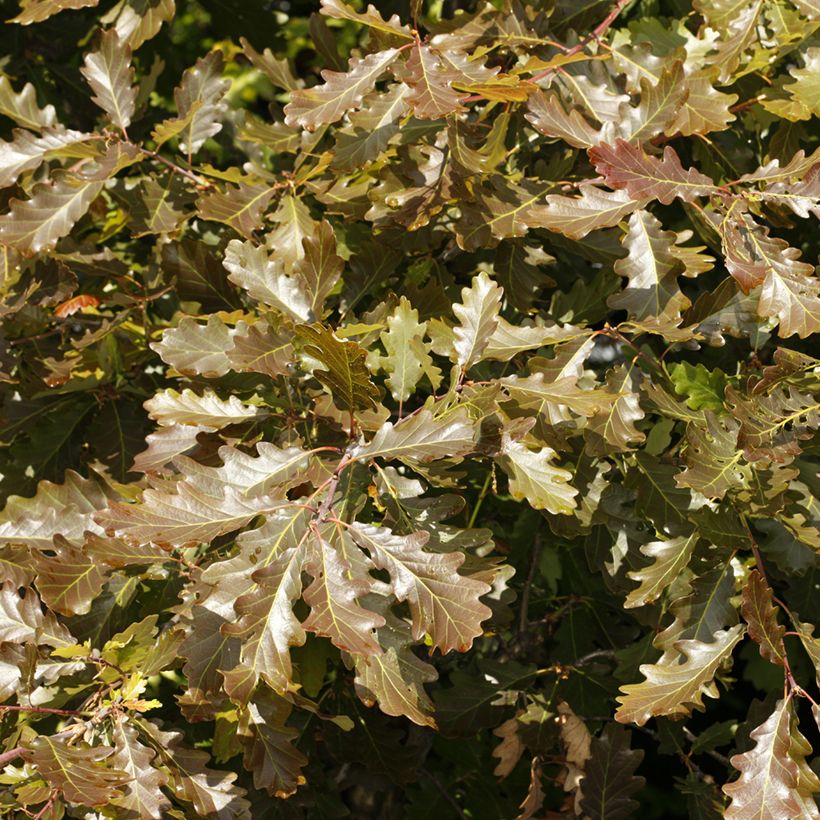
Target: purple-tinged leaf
626, 166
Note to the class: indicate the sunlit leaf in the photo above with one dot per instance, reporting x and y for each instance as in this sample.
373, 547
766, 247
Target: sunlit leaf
76, 770
676, 688
109, 73
340, 92
35, 11
626, 166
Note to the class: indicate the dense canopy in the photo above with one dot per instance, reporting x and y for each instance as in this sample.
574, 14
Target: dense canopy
409, 411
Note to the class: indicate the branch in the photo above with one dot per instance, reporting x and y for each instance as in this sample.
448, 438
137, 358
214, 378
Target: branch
44, 710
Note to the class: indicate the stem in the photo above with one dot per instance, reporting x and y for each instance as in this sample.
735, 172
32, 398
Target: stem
479, 500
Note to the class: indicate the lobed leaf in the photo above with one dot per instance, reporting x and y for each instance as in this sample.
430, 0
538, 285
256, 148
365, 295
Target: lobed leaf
626, 166
109, 73
340, 92
768, 780
675, 688
761, 615
443, 604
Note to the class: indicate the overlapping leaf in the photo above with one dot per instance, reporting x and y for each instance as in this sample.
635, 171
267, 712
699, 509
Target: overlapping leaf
340, 92
443, 604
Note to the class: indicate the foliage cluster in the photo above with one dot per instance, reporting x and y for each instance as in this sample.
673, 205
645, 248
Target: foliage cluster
409, 415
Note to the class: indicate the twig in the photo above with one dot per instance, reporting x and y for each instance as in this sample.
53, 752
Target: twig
596, 34
43, 710
51, 801
591, 656
10, 755
524, 621
177, 168
691, 737
446, 794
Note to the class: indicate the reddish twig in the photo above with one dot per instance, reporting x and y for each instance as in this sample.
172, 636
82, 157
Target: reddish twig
51, 801
43, 710
10, 755
596, 34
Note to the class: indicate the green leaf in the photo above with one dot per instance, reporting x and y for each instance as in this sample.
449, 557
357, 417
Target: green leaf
703, 388
610, 779
346, 376
408, 358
